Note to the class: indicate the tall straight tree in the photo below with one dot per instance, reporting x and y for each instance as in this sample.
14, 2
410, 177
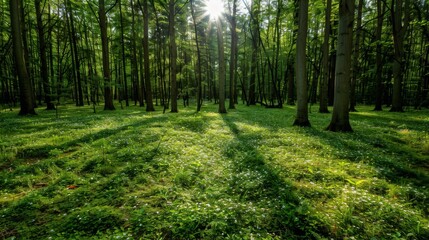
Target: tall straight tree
340, 116
75, 56
148, 85
323, 92
108, 98
221, 72
254, 30
197, 44
173, 54
300, 67
356, 57
400, 18
24, 82
378, 59
43, 59
123, 57
233, 58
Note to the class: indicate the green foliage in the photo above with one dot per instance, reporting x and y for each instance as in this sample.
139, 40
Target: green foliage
248, 174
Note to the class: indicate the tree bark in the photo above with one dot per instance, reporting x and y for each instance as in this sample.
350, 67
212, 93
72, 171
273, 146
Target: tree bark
124, 65
199, 74
340, 115
43, 59
378, 59
300, 66
147, 80
221, 70
173, 55
233, 58
400, 26
108, 99
25, 90
255, 51
323, 92
356, 56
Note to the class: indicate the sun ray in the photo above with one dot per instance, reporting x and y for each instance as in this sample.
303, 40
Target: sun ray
214, 8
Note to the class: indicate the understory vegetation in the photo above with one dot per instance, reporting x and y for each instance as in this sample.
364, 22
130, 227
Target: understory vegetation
248, 174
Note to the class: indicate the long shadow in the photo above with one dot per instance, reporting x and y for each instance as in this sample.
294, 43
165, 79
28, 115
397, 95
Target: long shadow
386, 158
289, 217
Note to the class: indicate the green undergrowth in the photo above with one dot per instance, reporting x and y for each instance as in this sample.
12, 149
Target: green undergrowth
248, 174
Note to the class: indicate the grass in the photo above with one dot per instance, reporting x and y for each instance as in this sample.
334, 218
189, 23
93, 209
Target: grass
248, 174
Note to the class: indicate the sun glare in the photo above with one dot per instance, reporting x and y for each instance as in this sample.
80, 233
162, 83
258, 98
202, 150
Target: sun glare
214, 8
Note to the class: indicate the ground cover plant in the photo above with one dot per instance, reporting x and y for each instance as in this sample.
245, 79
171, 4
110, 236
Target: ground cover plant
248, 174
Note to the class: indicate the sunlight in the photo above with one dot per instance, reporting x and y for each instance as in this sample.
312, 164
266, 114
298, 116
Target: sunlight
214, 8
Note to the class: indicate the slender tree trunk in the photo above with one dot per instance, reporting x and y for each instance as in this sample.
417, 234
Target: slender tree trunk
79, 91
255, 51
199, 74
356, 56
124, 65
323, 93
233, 58
378, 59
43, 59
149, 100
400, 26
340, 116
25, 90
300, 65
173, 55
108, 99
221, 55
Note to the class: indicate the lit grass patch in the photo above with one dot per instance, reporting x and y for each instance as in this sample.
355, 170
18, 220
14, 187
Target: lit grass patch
247, 174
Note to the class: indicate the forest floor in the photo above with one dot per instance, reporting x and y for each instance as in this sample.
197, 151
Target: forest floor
248, 174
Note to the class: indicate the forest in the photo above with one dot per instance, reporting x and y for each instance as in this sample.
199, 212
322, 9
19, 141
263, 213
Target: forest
214, 119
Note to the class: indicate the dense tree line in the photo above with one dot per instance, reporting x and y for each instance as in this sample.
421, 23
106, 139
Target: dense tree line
277, 52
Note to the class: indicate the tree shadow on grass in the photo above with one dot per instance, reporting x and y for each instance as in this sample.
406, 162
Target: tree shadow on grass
393, 163
255, 180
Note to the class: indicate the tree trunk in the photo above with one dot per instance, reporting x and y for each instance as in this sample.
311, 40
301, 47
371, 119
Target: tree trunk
400, 25
148, 85
108, 99
300, 66
124, 65
221, 70
43, 59
79, 91
323, 92
199, 74
233, 58
378, 59
255, 50
340, 115
173, 55
356, 56
25, 90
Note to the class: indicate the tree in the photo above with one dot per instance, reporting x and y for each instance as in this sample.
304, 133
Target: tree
173, 54
300, 66
123, 57
25, 89
356, 57
148, 85
233, 58
43, 59
400, 21
254, 19
221, 70
199, 69
340, 115
323, 93
378, 60
108, 98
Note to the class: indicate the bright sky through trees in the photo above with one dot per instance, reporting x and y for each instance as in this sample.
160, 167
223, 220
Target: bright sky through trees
214, 8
